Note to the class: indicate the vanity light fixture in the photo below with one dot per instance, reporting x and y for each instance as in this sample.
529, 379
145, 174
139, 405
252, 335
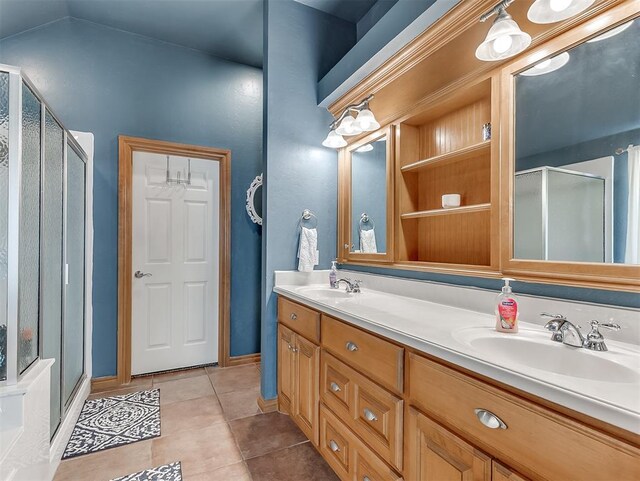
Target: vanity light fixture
547, 66
346, 124
365, 148
551, 11
611, 33
504, 39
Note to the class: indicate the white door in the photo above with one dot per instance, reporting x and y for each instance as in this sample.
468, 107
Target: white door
174, 320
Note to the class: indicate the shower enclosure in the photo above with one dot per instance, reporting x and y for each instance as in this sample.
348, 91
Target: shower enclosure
42, 247
559, 215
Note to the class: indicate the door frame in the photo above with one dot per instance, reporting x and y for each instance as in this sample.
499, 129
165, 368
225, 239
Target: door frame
126, 147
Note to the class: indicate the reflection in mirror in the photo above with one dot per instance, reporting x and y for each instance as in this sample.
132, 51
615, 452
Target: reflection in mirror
369, 197
577, 172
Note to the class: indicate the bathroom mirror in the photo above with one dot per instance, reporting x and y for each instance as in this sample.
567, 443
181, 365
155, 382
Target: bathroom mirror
367, 172
575, 171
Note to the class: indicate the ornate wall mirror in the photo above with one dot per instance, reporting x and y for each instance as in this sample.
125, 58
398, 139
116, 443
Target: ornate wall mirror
365, 203
574, 168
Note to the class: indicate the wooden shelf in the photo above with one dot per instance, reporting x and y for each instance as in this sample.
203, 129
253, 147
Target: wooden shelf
466, 209
454, 156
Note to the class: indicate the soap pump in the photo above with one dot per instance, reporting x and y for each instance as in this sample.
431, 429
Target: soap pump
333, 275
507, 309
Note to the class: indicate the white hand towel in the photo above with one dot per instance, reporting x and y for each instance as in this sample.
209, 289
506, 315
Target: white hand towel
308, 254
368, 241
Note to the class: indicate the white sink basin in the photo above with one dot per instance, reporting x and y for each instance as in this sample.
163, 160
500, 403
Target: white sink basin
324, 292
535, 349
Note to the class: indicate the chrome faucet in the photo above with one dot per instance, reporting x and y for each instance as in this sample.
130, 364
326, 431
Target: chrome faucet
352, 286
568, 333
554, 325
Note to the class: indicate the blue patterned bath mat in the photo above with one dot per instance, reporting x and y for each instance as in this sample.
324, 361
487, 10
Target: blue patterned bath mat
166, 472
115, 421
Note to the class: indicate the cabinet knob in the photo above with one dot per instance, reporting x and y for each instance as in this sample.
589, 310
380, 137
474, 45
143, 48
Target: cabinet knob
365, 478
489, 419
334, 446
335, 387
369, 415
293, 316
351, 346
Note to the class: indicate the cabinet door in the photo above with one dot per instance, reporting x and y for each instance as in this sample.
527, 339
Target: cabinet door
435, 454
306, 387
286, 368
502, 473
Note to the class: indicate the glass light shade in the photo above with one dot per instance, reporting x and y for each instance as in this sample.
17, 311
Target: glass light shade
504, 40
547, 66
365, 148
334, 141
551, 11
348, 127
366, 121
611, 33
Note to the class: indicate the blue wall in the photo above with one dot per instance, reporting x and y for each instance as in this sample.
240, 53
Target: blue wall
300, 43
369, 193
110, 82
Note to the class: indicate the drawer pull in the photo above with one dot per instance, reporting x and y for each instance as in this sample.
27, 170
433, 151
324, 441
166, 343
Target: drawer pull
293, 316
351, 346
369, 416
365, 478
334, 446
489, 419
335, 387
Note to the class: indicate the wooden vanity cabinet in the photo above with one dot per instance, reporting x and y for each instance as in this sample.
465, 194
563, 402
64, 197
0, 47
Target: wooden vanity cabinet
374, 416
435, 454
298, 380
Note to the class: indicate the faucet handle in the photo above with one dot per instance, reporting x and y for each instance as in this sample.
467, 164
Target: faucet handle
607, 325
560, 317
595, 340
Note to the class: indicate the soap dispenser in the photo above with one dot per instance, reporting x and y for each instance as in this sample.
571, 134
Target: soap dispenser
333, 274
506, 309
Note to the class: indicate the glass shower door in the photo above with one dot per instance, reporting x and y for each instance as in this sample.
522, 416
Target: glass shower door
73, 322
51, 260
29, 253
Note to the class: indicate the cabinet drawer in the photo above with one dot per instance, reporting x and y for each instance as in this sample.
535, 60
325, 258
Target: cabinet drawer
538, 442
349, 457
301, 319
366, 408
379, 359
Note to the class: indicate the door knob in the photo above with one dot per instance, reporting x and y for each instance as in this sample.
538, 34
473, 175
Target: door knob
140, 274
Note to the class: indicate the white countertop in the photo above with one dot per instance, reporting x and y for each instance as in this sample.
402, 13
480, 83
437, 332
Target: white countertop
442, 331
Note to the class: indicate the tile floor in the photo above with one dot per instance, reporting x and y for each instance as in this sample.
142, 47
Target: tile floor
212, 424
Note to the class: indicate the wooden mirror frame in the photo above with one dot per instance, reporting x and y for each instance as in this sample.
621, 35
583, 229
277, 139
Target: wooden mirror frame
344, 201
622, 277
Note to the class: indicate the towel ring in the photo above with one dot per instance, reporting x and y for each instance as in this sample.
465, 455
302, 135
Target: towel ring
307, 215
365, 219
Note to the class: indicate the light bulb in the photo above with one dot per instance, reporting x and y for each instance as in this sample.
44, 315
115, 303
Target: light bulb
544, 64
502, 43
559, 5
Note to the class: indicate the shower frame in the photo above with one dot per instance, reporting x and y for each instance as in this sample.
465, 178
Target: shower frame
17, 81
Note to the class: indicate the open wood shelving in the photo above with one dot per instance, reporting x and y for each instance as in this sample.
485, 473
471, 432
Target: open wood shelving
441, 151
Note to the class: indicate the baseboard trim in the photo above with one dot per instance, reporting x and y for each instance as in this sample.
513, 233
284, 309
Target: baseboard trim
245, 359
267, 405
105, 383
